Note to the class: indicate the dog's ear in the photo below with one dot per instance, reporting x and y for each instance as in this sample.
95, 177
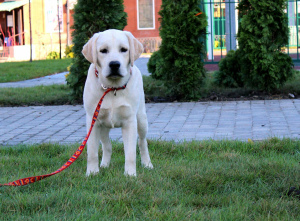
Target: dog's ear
136, 47
90, 49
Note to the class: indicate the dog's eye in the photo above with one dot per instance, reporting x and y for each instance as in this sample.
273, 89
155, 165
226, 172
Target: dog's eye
124, 50
104, 51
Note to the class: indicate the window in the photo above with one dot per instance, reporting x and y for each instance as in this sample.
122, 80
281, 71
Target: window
146, 14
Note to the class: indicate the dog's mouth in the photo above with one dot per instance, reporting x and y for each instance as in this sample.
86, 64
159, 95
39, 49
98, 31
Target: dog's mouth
114, 75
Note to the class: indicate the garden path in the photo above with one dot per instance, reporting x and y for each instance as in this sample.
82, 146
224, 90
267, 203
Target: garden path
233, 120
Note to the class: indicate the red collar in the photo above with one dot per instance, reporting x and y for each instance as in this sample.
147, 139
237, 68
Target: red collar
115, 89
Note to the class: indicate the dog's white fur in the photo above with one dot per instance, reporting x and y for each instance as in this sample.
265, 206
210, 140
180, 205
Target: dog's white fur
126, 109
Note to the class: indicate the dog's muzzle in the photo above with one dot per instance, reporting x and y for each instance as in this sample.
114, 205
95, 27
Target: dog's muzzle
114, 69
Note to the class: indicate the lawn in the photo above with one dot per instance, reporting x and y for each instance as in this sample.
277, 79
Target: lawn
19, 71
34, 96
207, 180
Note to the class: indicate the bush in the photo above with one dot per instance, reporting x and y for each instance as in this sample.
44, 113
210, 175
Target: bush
229, 74
263, 32
68, 52
91, 17
179, 61
155, 65
53, 55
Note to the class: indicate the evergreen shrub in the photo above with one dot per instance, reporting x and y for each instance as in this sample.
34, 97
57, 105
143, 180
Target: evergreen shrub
229, 74
179, 61
263, 32
91, 16
155, 65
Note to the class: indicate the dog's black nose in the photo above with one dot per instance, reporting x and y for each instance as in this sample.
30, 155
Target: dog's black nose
114, 65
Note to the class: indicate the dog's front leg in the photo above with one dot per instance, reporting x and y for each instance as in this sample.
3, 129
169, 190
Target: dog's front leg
92, 149
106, 146
129, 133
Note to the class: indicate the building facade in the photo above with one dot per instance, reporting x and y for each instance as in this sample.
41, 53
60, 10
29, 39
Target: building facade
143, 22
45, 29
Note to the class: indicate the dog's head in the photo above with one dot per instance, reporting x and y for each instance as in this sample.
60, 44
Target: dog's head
112, 52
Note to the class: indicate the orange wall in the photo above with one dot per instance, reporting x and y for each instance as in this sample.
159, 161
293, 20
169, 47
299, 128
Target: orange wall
131, 9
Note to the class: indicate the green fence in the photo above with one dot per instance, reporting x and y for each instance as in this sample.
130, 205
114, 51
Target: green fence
293, 10
223, 26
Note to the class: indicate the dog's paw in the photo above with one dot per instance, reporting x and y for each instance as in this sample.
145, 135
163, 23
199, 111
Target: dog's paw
147, 165
130, 173
104, 165
92, 172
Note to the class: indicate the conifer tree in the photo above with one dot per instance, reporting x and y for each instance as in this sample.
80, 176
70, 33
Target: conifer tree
259, 62
91, 16
179, 61
262, 35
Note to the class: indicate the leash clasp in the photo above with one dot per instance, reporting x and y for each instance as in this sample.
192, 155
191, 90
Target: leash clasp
104, 88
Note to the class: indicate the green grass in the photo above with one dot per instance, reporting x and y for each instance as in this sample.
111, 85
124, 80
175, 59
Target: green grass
153, 88
291, 86
19, 71
40, 95
208, 180
60, 94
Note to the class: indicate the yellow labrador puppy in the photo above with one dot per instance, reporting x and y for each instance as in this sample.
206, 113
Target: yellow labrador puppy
112, 54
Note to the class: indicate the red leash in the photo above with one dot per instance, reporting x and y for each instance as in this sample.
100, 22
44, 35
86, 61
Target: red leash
29, 180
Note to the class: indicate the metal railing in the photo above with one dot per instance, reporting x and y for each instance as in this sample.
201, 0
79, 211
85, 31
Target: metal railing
8, 41
223, 26
151, 44
293, 10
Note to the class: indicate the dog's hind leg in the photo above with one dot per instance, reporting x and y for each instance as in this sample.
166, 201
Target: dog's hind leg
142, 131
106, 146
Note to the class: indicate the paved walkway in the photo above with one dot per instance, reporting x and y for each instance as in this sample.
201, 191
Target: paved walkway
48, 80
167, 121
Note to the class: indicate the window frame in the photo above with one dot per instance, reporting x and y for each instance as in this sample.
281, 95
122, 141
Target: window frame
138, 16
